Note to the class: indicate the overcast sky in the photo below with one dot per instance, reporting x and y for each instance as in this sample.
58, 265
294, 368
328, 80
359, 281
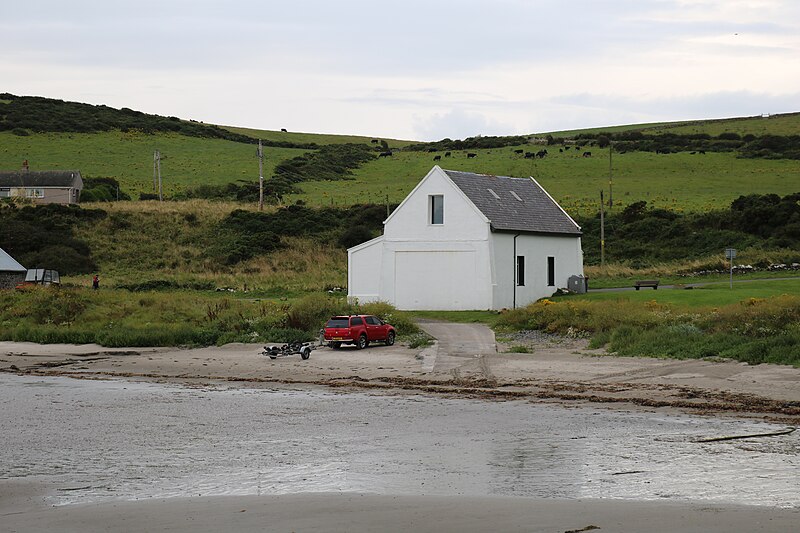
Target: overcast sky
412, 69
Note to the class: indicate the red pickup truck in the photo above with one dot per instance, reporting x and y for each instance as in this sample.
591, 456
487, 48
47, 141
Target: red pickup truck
359, 330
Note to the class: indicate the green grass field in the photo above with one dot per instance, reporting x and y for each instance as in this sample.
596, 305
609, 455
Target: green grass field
128, 157
711, 295
681, 182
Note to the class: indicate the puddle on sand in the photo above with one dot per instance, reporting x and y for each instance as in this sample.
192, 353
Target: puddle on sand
100, 440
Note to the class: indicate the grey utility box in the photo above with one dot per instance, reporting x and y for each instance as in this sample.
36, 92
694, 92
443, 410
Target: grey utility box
578, 284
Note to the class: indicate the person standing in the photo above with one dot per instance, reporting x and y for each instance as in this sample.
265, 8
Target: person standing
95, 282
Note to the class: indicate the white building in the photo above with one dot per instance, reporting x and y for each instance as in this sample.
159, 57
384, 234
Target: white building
464, 241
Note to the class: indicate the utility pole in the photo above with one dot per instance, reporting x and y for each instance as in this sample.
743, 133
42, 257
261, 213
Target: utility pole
158, 167
260, 176
156, 157
610, 177
602, 232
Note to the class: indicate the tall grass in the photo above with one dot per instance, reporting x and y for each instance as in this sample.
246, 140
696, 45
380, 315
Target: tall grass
176, 318
752, 330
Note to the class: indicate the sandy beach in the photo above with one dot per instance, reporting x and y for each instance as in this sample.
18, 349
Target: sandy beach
557, 370
369, 512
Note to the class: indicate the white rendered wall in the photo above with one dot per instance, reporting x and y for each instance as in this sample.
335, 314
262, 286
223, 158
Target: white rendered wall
536, 249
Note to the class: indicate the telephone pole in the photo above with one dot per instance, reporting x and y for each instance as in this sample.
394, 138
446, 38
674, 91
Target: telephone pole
260, 176
602, 232
610, 178
157, 173
156, 157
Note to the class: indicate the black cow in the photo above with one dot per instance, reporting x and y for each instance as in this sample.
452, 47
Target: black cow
529, 155
283, 130
566, 148
577, 148
432, 150
541, 153
447, 154
518, 151
560, 150
374, 141
470, 155
437, 158
702, 152
385, 154
587, 154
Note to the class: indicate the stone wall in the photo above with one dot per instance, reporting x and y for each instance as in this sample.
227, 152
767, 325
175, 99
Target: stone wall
9, 280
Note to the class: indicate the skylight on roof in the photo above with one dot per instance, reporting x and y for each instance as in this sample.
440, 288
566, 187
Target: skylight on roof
497, 196
515, 196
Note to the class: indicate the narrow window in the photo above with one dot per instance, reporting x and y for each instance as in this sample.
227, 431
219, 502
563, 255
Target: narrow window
521, 270
551, 271
437, 209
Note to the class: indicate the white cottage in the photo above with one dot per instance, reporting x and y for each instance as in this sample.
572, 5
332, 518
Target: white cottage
464, 241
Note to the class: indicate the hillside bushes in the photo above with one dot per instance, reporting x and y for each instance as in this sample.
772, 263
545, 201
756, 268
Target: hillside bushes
642, 236
38, 114
43, 237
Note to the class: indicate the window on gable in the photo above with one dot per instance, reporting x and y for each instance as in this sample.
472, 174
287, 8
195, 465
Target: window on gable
520, 270
436, 208
551, 271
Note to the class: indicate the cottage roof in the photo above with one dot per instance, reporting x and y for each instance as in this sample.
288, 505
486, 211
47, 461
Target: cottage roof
514, 204
41, 178
9, 264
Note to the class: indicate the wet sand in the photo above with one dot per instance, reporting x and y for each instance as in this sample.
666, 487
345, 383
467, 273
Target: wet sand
565, 372
369, 512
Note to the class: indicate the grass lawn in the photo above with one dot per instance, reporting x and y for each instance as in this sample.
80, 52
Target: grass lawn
714, 295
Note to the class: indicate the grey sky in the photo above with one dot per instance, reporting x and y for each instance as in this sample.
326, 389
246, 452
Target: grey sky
412, 69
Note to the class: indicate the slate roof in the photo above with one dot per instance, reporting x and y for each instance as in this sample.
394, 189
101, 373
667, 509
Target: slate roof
9, 264
518, 204
41, 178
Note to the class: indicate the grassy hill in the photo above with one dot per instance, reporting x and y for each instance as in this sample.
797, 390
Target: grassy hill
201, 156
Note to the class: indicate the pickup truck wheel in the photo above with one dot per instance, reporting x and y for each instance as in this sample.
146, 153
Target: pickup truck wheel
362, 342
390, 338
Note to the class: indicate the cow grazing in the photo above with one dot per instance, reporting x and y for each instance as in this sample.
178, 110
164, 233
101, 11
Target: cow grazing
560, 150
702, 152
541, 153
432, 150
470, 155
283, 130
577, 148
518, 151
566, 148
587, 154
374, 141
447, 154
529, 155
385, 154
437, 158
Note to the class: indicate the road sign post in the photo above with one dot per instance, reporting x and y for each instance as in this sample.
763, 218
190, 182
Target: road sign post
730, 253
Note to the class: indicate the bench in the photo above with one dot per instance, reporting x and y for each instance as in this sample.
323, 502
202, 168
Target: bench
646, 283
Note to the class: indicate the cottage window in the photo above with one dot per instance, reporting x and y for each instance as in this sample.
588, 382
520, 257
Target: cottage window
5, 192
551, 271
437, 209
520, 270
34, 193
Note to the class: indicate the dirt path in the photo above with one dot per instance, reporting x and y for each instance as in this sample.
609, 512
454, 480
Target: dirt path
465, 361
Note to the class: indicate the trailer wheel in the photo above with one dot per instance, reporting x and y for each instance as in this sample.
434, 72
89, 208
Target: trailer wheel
305, 352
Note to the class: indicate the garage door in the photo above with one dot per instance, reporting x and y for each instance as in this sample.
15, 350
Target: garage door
436, 280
